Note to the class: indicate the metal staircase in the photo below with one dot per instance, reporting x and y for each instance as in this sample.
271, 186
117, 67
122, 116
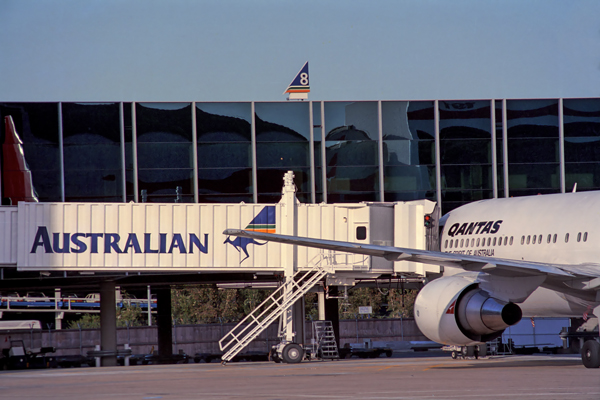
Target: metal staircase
271, 309
326, 345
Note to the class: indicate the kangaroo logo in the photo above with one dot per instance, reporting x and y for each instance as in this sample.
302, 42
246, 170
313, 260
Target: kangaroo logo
263, 222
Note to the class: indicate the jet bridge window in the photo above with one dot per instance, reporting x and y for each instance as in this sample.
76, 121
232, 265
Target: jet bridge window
361, 232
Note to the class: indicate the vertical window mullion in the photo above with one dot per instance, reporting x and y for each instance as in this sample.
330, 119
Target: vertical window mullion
61, 152
313, 194
561, 144
505, 148
438, 166
493, 148
195, 153
253, 147
380, 150
136, 195
323, 153
123, 163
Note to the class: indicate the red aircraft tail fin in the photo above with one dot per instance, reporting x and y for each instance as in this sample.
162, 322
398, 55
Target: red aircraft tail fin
16, 176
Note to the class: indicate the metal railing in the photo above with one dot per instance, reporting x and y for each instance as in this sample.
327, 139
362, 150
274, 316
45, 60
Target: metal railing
271, 309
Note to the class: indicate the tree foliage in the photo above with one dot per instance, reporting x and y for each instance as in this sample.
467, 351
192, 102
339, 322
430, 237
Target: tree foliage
385, 303
205, 304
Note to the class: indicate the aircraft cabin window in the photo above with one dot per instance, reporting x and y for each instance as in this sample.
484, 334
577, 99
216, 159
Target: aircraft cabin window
451, 243
500, 242
478, 242
554, 238
579, 237
511, 240
472, 242
446, 244
489, 241
528, 239
540, 239
461, 243
549, 237
585, 237
522, 239
567, 238
533, 240
494, 241
361, 232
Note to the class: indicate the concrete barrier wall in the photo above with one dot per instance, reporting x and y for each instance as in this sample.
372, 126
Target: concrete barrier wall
194, 339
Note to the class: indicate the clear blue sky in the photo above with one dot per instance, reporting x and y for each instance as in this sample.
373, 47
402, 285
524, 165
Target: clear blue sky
242, 50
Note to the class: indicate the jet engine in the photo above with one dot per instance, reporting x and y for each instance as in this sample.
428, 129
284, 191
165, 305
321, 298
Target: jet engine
455, 311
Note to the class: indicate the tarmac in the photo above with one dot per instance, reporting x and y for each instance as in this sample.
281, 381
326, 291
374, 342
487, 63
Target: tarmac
406, 375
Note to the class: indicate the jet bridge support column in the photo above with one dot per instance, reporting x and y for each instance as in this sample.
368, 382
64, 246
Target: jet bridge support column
108, 323
289, 257
321, 303
332, 311
164, 322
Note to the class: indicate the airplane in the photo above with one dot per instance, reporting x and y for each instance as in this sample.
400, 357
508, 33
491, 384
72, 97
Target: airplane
503, 259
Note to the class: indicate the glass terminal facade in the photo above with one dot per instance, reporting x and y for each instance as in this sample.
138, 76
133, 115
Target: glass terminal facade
453, 152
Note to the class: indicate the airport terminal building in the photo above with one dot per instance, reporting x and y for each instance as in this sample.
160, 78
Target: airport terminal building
231, 157
451, 152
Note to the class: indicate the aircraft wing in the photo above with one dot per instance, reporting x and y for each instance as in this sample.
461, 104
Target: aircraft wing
587, 276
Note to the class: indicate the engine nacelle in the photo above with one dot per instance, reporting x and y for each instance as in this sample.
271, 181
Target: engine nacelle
455, 311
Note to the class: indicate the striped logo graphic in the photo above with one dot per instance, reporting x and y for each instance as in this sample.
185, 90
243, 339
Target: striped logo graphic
263, 222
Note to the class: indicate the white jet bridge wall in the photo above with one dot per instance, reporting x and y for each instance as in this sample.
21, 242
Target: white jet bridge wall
409, 232
151, 237
334, 222
8, 235
188, 237
398, 224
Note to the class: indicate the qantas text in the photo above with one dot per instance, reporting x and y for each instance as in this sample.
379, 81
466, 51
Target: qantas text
474, 228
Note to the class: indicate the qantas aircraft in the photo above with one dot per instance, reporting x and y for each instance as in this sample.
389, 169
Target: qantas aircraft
535, 256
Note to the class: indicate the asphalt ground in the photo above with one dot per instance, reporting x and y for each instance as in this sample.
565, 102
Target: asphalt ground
430, 375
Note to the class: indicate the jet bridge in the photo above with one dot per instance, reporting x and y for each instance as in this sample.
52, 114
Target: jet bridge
174, 238
182, 238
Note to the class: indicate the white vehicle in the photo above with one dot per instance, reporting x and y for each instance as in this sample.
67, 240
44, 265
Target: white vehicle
92, 298
535, 256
